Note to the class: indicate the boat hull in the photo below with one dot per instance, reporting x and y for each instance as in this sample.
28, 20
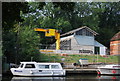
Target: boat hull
19, 72
104, 71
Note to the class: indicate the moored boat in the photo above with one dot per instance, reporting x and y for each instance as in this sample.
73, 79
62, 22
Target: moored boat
111, 69
38, 69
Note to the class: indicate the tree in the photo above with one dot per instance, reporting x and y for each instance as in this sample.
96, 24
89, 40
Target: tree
11, 13
101, 17
14, 35
47, 17
109, 22
28, 44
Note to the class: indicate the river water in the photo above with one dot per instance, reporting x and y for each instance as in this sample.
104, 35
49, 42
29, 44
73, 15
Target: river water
75, 77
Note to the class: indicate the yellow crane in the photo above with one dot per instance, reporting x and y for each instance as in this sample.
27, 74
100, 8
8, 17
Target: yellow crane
49, 33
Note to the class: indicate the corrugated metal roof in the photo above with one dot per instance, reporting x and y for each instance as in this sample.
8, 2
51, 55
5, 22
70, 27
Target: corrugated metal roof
97, 44
116, 37
73, 31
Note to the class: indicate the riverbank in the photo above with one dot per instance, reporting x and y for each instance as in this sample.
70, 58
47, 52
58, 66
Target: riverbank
73, 58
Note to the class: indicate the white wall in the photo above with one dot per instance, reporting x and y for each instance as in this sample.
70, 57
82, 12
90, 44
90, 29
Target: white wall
66, 38
102, 50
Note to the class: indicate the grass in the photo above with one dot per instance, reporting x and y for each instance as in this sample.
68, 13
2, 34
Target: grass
75, 58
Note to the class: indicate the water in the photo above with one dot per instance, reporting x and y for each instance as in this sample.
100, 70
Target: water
76, 77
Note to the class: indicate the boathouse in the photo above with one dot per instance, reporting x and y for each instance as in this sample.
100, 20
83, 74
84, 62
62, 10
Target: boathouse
81, 41
115, 44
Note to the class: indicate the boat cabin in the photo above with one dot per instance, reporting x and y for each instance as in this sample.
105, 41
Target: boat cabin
40, 65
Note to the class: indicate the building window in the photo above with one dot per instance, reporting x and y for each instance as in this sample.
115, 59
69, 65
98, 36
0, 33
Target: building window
84, 32
65, 45
79, 32
86, 51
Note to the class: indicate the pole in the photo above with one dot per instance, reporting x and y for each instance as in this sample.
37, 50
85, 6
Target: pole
57, 37
97, 57
31, 59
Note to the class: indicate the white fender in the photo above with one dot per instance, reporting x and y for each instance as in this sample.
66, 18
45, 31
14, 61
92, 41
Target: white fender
31, 71
52, 73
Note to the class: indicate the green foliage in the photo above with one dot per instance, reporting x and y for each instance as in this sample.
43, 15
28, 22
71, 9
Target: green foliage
9, 44
28, 41
11, 13
20, 40
48, 18
104, 37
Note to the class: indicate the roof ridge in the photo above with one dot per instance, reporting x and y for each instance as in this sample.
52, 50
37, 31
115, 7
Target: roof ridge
116, 36
72, 31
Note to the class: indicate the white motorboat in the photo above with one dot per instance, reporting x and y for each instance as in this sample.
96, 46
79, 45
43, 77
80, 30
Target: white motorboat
111, 69
38, 69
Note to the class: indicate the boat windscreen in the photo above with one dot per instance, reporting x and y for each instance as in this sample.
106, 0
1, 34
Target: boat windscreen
21, 65
29, 66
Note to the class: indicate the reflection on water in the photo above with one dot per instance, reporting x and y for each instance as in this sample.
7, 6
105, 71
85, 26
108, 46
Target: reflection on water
38, 79
66, 78
109, 77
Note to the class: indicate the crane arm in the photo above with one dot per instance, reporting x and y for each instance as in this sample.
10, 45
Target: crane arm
40, 29
48, 32
51, 32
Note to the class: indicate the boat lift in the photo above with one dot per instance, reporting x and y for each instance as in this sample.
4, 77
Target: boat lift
49, 33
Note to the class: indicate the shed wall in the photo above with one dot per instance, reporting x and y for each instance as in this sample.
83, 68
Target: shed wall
102, 50
115, 47
82, 44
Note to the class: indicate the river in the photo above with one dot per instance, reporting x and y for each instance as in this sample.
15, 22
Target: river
75, 77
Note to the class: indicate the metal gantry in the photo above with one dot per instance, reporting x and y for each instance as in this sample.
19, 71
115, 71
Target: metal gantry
49, 33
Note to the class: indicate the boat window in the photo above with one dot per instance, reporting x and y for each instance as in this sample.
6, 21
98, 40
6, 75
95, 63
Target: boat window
55, 67
44, 66
30, 66
21, 65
